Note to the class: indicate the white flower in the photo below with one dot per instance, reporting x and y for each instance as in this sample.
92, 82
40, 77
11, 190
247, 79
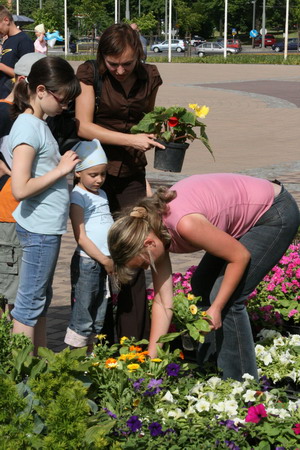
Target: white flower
237, 390
247, 376
267, 359
197, 388
294, 339
259, 349
176, 413
213, 382
190, 398
278, 341
168, 397
250, 396
202, 405
231, 407
292, 375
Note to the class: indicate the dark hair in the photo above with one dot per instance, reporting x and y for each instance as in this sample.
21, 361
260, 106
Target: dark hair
115, 39
4, 12
53, 72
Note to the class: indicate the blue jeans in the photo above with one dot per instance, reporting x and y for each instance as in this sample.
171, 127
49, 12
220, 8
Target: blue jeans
267, 241
89, 301
40, 254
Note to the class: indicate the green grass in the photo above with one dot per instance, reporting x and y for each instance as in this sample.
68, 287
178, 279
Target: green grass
232, 59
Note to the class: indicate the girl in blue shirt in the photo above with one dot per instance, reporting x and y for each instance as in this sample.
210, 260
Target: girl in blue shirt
39, 183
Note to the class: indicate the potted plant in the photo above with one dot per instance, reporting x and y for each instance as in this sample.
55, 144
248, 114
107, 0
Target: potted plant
173, 127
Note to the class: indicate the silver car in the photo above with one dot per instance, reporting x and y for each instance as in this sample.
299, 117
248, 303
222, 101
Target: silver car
213, 48
176, 44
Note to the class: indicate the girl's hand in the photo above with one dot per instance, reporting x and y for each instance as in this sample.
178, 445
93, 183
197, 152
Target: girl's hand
68, 162
108, 265
216, 318
144, 142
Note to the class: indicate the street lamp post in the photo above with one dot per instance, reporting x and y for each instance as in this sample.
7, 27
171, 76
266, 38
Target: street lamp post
263, 34
253, 19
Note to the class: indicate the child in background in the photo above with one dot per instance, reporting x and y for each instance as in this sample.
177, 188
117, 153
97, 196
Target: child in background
40, 44
39, 183
91, 220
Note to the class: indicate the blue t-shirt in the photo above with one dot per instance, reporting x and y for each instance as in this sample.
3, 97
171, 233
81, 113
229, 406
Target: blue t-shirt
97, 217
13, 48
47, 212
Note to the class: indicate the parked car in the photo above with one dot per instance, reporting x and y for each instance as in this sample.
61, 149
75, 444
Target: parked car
213, 48
270, 40
197, 40
293, 44
232, 43
176, 44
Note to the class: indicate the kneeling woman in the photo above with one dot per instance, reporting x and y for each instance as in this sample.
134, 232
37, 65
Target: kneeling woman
244, 224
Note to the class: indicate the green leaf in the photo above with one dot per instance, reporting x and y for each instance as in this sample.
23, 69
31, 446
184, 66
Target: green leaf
93, 433
169, 337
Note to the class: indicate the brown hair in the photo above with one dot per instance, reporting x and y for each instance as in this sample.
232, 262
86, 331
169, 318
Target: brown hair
114, 41
52, 72
4, 12
127, 235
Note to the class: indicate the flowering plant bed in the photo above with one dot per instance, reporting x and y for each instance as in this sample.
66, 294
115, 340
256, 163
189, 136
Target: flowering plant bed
276, 300
119, 398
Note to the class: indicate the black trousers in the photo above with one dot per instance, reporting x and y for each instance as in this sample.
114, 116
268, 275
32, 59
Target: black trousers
133, 318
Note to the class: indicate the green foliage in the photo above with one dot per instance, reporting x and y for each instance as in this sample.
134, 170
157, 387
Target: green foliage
147, 23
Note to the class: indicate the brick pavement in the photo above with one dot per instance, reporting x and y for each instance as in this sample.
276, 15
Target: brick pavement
253, 129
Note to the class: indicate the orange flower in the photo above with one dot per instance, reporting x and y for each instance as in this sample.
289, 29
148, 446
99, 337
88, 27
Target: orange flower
204, 313
110, 363
133, 348
181, 355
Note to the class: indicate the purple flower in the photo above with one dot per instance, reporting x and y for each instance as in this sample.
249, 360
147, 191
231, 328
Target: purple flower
134, 423
231, 445
151, 392
229, 424
110, 413
173, 369
154, 383
155, 429
137, 384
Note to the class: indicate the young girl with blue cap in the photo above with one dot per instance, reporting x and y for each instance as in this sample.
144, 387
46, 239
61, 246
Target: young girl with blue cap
91, 220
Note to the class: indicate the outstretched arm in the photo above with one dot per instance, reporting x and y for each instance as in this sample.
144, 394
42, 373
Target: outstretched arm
84, 111
198, 231
163, 301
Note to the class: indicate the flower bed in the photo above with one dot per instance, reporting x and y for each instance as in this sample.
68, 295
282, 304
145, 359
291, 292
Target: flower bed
120, 398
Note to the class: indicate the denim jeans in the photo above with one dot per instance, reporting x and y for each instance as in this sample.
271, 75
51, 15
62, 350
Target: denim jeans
89, 300
267, 241
40, 254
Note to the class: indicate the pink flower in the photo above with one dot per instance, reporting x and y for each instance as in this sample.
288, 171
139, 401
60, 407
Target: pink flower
292, 312
296, 428
256, 413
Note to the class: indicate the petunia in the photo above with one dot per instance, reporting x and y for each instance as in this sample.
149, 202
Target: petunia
154, 383
137, 384
173, 121
155, 429
134, 423
173, 369
296, 428
292, 312
256, 413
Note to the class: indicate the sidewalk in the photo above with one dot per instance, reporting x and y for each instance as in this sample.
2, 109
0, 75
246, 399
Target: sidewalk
253, 129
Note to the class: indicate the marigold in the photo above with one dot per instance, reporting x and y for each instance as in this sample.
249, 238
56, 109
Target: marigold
193, 309
132, 367
156, 360
128, 356
111, 363
123, 339
134, 348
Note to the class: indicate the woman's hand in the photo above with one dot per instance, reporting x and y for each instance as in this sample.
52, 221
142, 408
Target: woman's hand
215, 317
143, 141
68, 162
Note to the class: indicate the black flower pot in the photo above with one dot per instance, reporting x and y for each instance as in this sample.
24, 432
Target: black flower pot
170, 159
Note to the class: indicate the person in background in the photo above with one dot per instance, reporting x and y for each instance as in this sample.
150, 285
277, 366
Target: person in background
39, 183
40, 44
129, 90
143, 40
244, 224
10, 248
91, 220
16, 45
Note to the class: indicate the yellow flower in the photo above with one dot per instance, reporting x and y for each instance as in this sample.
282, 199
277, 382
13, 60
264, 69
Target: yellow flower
190, 297
128, 356
132, 367
101, 336
204, 313
156, 360
193, 106
96, 364
202, 111
193, 309
135, 402
123, 339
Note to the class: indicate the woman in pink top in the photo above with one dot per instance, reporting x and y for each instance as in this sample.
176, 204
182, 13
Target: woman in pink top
244, 224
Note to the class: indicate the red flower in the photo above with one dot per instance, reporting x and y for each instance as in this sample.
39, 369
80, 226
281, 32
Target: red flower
173, 121
296, 429
256, 413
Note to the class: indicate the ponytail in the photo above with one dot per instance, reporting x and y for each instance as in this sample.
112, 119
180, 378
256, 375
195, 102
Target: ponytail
21, 98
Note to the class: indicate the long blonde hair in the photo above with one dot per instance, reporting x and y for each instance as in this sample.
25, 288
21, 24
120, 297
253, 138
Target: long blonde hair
127, 235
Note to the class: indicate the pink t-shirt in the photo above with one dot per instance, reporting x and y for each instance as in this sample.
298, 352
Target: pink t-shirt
40, 46
231, 202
